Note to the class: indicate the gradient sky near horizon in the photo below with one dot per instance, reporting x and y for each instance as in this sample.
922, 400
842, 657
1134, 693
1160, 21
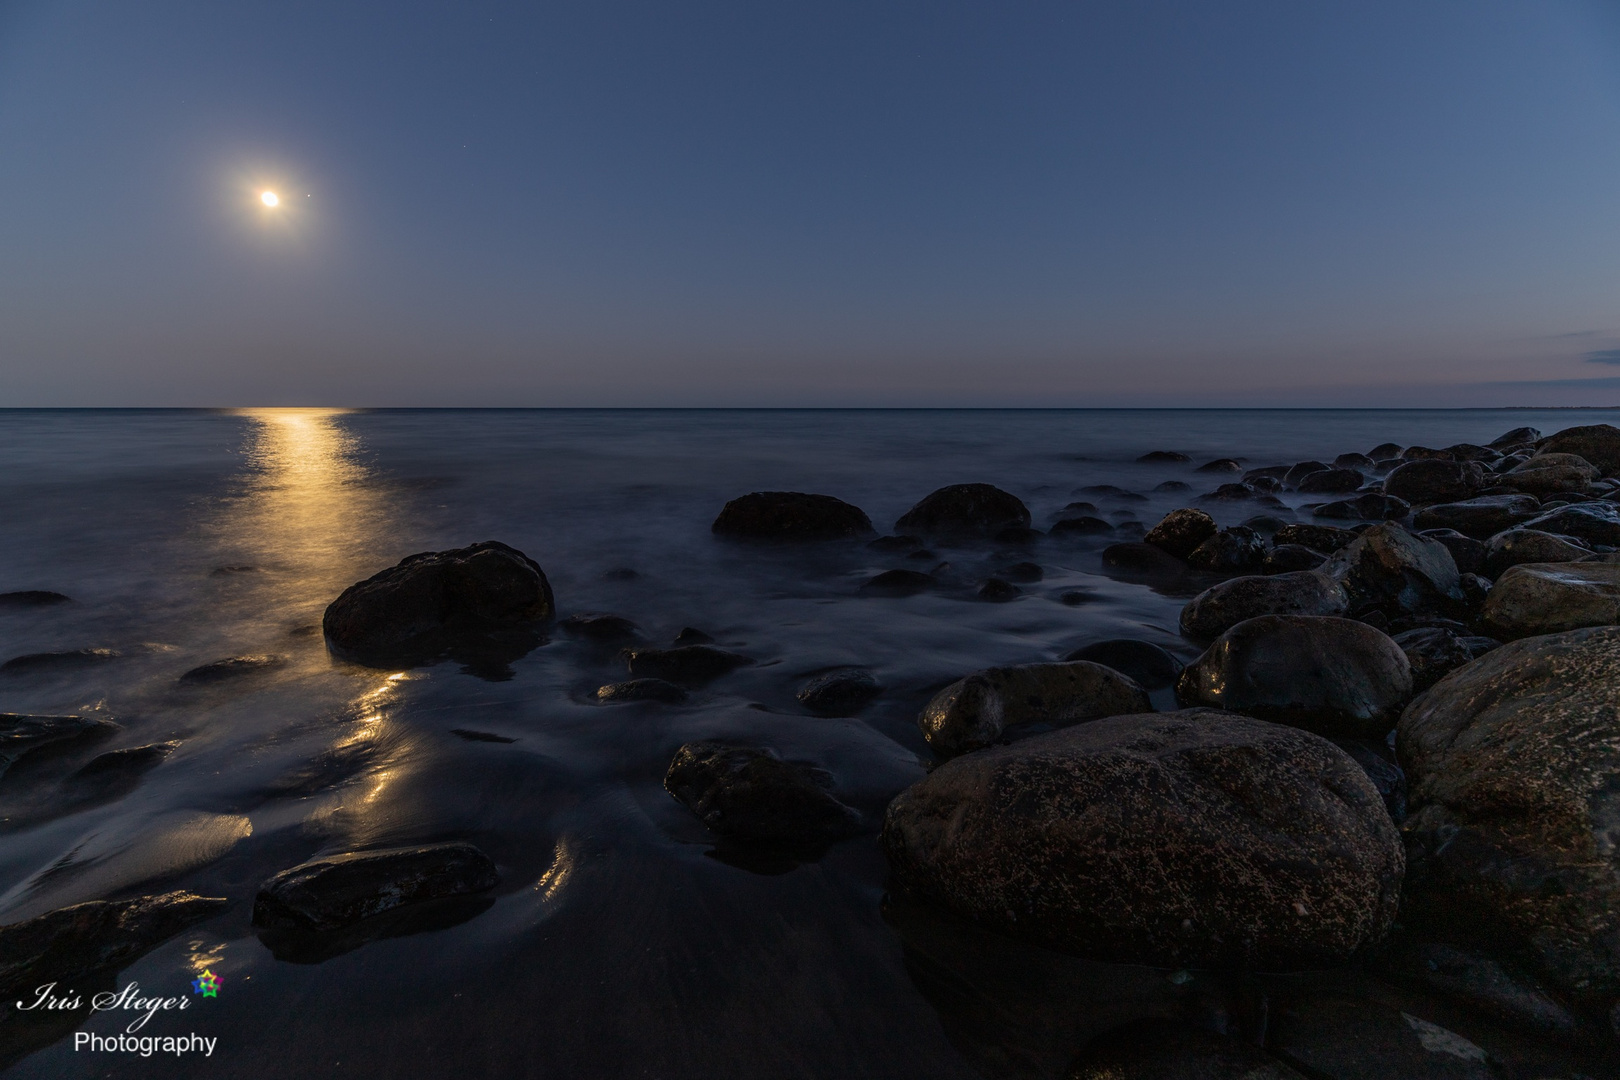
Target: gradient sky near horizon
627, 202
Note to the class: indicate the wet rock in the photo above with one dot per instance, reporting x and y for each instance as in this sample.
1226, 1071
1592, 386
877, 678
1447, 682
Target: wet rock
1599, 444
438, 602
691, 635
1110, 491
975, 711
791, 516
1168, 457
1288, 558
898, 583
1386, 452
1433, 653
1220, 465
1547, 474
997, 591
1372, 506
1594, 522
839, 693
1479, 981
1519, 436
750, 793
1385, 774
1024, 572
1481, 517
1354, 1039
687, 664
1329, 481
596, 626
964, 510
1466, 451
1467, 553
22, 734
232, 667
641, 690
1142, 558
1389, 568
1158, 839
70, 943
1264, 524
1512, 762
1173, 486
1336, 677
32, 598
1269, 472
1231, 551
35, 663
340, 890
1300, 471
1425, 453
470, 735
1353, 461
896, 543
1516, 546
1323, 538
117, 765
1548, 598
1305, 592
1181, 531
1434, 480
1081, 526
1157, 1049
1231, 493
1143, 662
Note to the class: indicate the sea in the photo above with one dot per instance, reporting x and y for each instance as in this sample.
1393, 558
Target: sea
621, 942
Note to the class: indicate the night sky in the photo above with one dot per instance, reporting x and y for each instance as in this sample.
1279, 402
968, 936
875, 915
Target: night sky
828, 203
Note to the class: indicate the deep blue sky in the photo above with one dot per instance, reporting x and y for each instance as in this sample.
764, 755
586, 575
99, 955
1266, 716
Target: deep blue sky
819, 203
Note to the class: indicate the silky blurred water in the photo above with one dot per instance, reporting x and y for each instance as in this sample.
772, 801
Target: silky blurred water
617, 944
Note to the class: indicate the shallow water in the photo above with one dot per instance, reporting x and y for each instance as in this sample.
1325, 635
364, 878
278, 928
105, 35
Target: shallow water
620, 942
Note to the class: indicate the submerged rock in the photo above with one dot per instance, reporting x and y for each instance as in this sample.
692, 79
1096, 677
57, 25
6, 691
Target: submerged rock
1373, 506
21, 734
839, 693
1080, 526
1230, 551
33, 663
1336, 677
1164, 839
232, 667
1181, 531
684, 663
1143, 662
1599, 444
898, 583
750, 793
641, 690
1220, 465
116, 765
964, 510
1481, 517
1389, 568
1170, 457
32, 598
790, 516
438, 602
998, 591
973, 712
597, 626
1158, 1049
1547, 598
339, 890
1304, 592
1515, 546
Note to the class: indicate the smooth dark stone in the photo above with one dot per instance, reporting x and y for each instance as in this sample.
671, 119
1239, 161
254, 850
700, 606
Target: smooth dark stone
128, 762
898, 583
32, 598
1549, 598
1287, 558
683, 663
1300, 471
1425, 453
1466, 552
480, 736
839, 693
1433, 653
340, 890
1220, 465
1140, 558
1353, 461
1481, 517
1165, 457
1390, 568
791, 516
1023, 572
1372, 506
1386, 452
1323, 538
1231, 493
1385, 775
1159, 1049
1109, 491
998, 591
596, 626
974, 712
1305, 592
1264, 524
1269, 472
1145, 663
1173, 485
22, 734
641, 690
233, 667
1515, 546
1517, 437
57, 661
1465, 451
895, 543
691, 635
1597, 443
1181, 531
752, 794
1594, 522
1563, 475
1328, 481
1231, 551
964, 510
1077, 508
1017, 534
1434, 480
1081, 526
1355, 1039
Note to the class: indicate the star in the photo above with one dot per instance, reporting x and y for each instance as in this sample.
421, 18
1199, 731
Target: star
206, 984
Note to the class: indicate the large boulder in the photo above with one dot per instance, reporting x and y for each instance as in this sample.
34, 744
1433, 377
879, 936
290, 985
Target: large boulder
1548, 474
339, 890
749, 793
973, 712
1434, 480
1194, 838
1519, 436
1512, 762
1181, 531
1515, 546
1599, 444
1548, 598
438, 602
1231, 551
1332, 481
1220, 607
1336, 677
1392, 570
1481, 517
791, 515
964, 510
1594, 522
1373, 506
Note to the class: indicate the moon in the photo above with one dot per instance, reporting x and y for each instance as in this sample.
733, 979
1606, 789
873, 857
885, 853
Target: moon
270, 199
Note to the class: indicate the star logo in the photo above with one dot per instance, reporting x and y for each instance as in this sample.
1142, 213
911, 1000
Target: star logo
206, 984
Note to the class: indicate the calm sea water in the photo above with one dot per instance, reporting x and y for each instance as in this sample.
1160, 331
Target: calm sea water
617, 944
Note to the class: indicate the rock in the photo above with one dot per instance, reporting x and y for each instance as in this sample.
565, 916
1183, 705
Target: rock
1331, 481
1173, 485
1354, 1039
1231, 493
1467, 553
1433, 653
684, 663
1142, 558
1467, 451
32, 663
1298, 472
1512, 761
1264, 524
65, 945
1517, 437
975, 711
21, 734
1081, 526
469, 735
1548, 598
791, 516
32, 598
1481, 517
119, 764
1181, 531
898, 583
339, 890
691, 635
1386, 775
1158, 839
1304, 592
1353, 461
1110, 491
232, 667
596, 626
1434, 480
1425, 453
1269, 472
1546, 474
752, 794
839, 693
1386, 452
1017, 534
1372, 506
1594, 522
1157, 1049
1482, 983
1323, 538
997, 591
1288, 558
1220, 465
1025, 572
1230, 551
1143, 662
1599, 444
1389, 568
641, 690
1515, 546
964, 510
1336, 677
438, 602
1164, 457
